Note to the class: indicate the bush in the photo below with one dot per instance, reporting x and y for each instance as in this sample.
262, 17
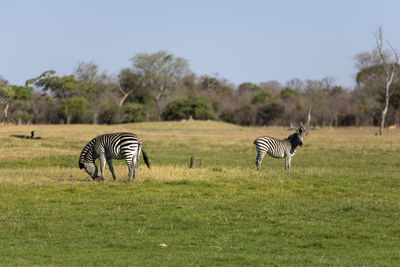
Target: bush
288, 92
133, 112
245, 115
227, 115
261, 97
108, 114
196, 107
268, 114
347, 120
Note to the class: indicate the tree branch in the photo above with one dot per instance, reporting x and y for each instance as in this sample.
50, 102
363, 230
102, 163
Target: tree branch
125, 94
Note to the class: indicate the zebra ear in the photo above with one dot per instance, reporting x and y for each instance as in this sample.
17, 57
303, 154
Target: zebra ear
81, 166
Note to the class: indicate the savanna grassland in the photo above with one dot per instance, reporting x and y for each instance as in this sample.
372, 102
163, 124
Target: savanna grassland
339, 205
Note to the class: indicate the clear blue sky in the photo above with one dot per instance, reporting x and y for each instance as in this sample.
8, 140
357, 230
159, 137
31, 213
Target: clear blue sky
242, 41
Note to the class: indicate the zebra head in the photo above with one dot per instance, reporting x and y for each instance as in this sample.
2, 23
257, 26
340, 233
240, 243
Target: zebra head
296, 139
90, 168
300, 135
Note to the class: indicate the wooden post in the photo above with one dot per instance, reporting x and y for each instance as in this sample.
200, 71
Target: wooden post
201, 164
192, 162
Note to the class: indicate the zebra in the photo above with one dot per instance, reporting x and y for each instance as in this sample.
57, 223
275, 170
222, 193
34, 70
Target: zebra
279, 148
112, 146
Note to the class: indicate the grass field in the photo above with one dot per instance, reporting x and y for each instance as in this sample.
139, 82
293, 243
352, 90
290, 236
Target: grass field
339, 205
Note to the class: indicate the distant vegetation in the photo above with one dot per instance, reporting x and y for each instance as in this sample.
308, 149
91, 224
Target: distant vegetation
161, 86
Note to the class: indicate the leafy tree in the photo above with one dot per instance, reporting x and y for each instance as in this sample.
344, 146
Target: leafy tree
227, 115
45, 109
132, 88
216, 86
160, 73
10, 94
245, 115
89, 72
248, 87
21, 111
271, 86
287, 92
64, 88
21, 108
370, 93
269, 113
261, 97
196, 107
6, 95
97, 87
109, 113
75, 107
22, 92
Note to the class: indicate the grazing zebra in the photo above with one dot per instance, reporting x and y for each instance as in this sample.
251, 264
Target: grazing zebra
112, 146
279, 148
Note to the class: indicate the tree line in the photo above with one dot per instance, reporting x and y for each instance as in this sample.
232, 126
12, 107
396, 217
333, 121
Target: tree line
161, 86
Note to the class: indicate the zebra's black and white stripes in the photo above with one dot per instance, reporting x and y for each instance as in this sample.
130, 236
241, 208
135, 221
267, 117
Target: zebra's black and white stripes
112, 146
278, 148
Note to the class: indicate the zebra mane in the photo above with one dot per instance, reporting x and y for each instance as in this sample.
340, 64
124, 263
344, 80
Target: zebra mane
86, 153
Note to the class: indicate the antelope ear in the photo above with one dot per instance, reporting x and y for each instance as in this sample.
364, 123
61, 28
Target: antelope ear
81, 166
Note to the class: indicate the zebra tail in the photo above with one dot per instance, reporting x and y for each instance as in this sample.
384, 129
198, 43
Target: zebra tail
145, 158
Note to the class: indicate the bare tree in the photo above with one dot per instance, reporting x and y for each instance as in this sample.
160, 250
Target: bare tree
390, 63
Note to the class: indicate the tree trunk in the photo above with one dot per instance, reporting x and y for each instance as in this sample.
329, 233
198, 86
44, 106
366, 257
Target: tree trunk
5, 111
121, 102
308, 120
158, 106
385, 109
389, 81
125, 94
94, 118
390, 70
69, 118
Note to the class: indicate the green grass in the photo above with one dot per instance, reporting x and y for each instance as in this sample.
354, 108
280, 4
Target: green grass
340, 204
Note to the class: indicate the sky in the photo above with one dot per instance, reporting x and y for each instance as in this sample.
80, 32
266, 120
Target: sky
241, 41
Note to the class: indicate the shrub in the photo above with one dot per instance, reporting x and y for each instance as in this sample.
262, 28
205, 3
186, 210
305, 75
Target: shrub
261, 97
227, 115
108, 114
196, 107
133, 112
268, 114
245, 115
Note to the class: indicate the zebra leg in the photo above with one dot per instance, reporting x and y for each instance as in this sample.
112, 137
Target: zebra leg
287, 162
259, 159
111, 167
134, 173
130, 167
135, 165
102, 166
